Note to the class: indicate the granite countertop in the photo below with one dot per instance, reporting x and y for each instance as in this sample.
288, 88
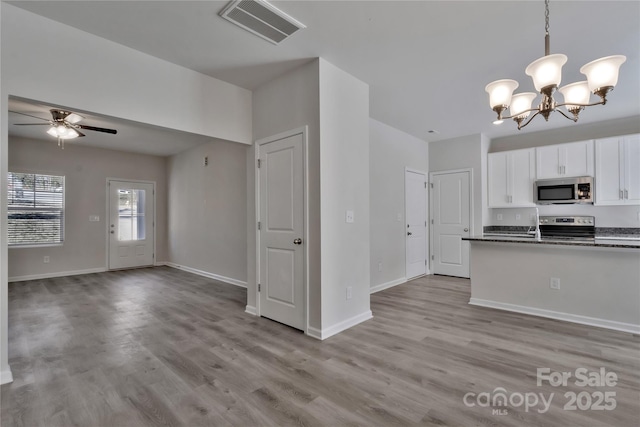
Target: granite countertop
601, 241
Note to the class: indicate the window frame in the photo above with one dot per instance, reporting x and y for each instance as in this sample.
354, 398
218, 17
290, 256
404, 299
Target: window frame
22, 208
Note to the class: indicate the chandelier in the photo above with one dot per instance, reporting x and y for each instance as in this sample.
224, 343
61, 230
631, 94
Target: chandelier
546, 72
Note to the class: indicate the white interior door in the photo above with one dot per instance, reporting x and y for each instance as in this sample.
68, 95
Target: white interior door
281, 258
416, 218
451, 222
131, 224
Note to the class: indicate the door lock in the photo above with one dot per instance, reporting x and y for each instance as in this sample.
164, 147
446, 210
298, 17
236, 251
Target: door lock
409, 233
297, 242
466, 229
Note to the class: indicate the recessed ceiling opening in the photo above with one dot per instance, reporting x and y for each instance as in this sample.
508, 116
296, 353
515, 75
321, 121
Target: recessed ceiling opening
262, 19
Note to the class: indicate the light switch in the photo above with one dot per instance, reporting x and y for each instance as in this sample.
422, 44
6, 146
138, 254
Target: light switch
400, 217
349, 216
94, 218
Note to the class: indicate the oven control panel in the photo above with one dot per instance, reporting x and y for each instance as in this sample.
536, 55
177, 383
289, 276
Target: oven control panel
568, 220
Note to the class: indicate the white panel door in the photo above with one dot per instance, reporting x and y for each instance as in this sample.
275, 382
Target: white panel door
416, 216
451, 222
131, 223
281, 258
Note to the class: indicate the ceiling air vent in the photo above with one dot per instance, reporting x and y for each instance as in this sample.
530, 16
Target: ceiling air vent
262, 19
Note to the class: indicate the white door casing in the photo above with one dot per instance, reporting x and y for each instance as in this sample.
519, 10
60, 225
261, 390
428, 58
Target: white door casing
281, 240
416, 223
451, 215
131, 224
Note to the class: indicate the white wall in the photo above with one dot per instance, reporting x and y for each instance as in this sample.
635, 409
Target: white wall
462, 153
207, 210
108, 79
606, 216
104, 77
390, 152
86, 171
570, 133
334, 107
598, 286
5, 370
289, 102
344, 171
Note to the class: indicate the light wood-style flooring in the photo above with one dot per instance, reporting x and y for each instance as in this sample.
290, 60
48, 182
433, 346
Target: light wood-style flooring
161, 347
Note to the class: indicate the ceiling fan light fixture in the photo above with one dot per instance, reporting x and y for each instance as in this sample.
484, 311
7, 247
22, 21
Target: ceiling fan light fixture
546, 72
63, 132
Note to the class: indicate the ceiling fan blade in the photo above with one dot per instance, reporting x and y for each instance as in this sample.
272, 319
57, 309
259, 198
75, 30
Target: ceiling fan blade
80, 134
73, 118
29, 115
112, 131
32, 124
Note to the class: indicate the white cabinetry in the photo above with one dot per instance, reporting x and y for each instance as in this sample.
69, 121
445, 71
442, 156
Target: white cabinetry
565, 160
618, 170
511, 177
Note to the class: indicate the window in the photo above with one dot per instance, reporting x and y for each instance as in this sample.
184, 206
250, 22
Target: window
131, 215
36, 209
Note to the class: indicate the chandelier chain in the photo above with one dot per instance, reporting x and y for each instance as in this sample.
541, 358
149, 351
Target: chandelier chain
546, 17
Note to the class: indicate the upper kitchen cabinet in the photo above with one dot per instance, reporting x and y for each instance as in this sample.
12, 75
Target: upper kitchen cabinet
565, 160
511, 177
618, 170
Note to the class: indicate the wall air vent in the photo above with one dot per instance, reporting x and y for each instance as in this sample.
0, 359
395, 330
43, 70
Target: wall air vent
262, 19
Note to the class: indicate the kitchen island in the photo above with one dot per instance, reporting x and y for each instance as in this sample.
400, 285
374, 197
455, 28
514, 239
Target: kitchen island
597, 280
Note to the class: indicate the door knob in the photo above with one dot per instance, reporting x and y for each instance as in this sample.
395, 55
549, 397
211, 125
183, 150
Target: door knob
297, 242
409, 233
466, 229
113, 232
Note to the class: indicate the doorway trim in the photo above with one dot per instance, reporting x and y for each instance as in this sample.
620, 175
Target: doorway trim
304, 131
107, 218
426, 219
431, 204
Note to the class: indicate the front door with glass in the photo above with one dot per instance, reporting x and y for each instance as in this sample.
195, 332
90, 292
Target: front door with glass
131, 222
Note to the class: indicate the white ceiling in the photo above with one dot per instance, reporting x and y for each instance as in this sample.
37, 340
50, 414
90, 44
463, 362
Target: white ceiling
427, 62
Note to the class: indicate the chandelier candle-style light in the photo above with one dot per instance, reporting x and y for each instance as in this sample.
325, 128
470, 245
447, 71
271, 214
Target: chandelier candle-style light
546, 72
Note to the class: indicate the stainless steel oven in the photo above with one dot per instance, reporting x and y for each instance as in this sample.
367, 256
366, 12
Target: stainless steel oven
568, 227
564, 190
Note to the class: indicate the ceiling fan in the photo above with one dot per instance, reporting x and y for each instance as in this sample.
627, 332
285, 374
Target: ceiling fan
64, 125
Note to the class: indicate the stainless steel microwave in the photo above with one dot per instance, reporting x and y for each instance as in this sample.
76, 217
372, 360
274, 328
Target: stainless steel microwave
563, 190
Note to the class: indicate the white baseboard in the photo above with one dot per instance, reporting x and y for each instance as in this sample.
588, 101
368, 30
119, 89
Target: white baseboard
251, 310
56, 274
339, 327
558, 315
6, 376
213, 276
387, 285
314, 333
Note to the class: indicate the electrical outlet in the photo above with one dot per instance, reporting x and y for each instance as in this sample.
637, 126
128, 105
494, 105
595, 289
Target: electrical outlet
518, 216
205, 161
46, 259
349, 292
554, 283
349, 216
499, 217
